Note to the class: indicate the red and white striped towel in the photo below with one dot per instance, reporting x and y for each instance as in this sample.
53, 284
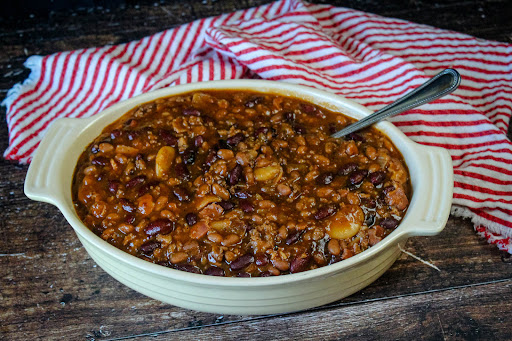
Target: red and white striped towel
364, 57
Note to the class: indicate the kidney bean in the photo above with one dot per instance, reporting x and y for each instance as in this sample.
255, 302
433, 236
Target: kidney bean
293, 237
252, 102
187, 268
369, 220
358, 176
181, 193
325, 178
191, 219
235, 175
198, 141
100, 161
241, 262
355, 137
143, 189
325, 211
132, 135
211, 157
215, 271
243, 274
265, 274
247, 227
332, 128
241, 195
299, 264
189, 156
261, 259
226, 205
148, 247
114, 134
348, 168
289, 116
370, 203
162, 226
246, 206
308, 108
389, 223
234, 140
261, 130
377, 178
182, 171
129, 219
388, 189
191, 112
95, 149
136, 181
222, 144
168, 137
113, 186
299, 129
127, 205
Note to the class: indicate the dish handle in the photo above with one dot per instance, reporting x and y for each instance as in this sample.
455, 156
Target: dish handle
434, 191
52, 161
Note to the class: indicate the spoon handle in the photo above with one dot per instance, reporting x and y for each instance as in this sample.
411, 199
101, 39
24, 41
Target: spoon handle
438, 86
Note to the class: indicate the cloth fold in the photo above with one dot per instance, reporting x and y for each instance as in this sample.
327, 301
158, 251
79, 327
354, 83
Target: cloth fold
370, 59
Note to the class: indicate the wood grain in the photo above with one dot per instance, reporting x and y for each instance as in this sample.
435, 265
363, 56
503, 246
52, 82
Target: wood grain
51, 289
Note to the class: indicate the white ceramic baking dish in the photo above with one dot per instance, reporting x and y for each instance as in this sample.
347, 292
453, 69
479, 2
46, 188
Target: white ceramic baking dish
50, 175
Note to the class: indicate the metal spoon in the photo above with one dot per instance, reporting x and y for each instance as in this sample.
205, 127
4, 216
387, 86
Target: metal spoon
438, 86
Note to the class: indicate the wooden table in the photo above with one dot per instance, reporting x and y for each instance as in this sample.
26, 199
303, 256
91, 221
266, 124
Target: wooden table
51, 289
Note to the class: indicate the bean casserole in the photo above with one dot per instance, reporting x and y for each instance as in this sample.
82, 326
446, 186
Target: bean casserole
238, 183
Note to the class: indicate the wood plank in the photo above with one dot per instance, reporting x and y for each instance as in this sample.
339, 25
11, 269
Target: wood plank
464, 313
50, 288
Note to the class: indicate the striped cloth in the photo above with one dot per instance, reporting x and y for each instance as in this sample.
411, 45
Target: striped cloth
364, 57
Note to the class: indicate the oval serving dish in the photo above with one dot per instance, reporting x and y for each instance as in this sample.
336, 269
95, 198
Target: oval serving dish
50, 176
